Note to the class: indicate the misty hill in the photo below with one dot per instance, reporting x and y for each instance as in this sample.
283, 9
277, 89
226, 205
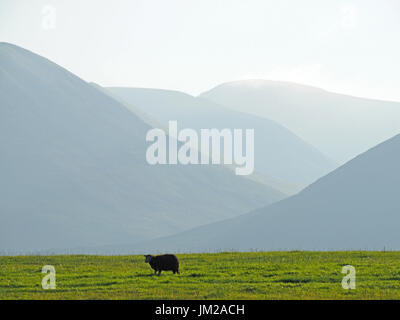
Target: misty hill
338, 125
281, 158
73, 168
356, 207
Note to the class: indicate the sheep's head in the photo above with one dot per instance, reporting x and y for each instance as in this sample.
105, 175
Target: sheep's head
148, 258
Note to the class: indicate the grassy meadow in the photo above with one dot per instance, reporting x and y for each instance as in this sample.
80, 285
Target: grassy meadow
259, 275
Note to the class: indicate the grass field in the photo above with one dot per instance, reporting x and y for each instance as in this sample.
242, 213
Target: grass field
261, 275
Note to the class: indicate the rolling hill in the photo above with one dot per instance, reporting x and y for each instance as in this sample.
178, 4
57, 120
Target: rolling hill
73, 168
340, 126
356, 206
282, 160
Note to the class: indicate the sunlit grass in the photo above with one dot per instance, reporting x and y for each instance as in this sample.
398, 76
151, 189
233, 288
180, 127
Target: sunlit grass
260, 275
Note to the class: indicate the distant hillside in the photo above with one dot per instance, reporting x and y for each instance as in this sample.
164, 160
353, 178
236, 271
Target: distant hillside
281, 159
340, 126
73, 168
357, 206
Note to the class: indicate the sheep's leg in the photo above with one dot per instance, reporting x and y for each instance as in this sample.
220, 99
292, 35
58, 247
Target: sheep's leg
159, 272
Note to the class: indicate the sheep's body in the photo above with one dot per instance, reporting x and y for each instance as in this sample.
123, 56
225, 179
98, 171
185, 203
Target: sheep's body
165, 262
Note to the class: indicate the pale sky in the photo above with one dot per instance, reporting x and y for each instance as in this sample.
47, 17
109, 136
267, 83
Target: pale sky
346, 46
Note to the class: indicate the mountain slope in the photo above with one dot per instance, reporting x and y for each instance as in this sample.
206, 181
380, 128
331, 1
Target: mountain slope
73, 169
278, 152
356, 207
340, 126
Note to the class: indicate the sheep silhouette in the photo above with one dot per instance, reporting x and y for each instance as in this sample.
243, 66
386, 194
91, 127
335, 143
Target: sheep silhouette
165, 262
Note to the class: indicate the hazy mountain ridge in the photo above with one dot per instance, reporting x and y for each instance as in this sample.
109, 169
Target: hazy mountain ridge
278, 152
338, 125
74, 175
74, 171
354, 207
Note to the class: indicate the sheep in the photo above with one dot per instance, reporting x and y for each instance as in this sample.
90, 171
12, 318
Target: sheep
165, 262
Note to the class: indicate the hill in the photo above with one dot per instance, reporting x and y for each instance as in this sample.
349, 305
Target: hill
74, 172
340, 126
281, 158
354, 207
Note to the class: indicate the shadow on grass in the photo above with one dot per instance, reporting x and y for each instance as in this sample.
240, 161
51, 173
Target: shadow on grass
293, 280
145, 275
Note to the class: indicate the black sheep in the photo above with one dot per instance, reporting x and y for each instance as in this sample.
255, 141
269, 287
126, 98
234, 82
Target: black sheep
165, 262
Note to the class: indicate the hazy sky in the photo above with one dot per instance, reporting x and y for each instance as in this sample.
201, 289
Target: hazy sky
192, 45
